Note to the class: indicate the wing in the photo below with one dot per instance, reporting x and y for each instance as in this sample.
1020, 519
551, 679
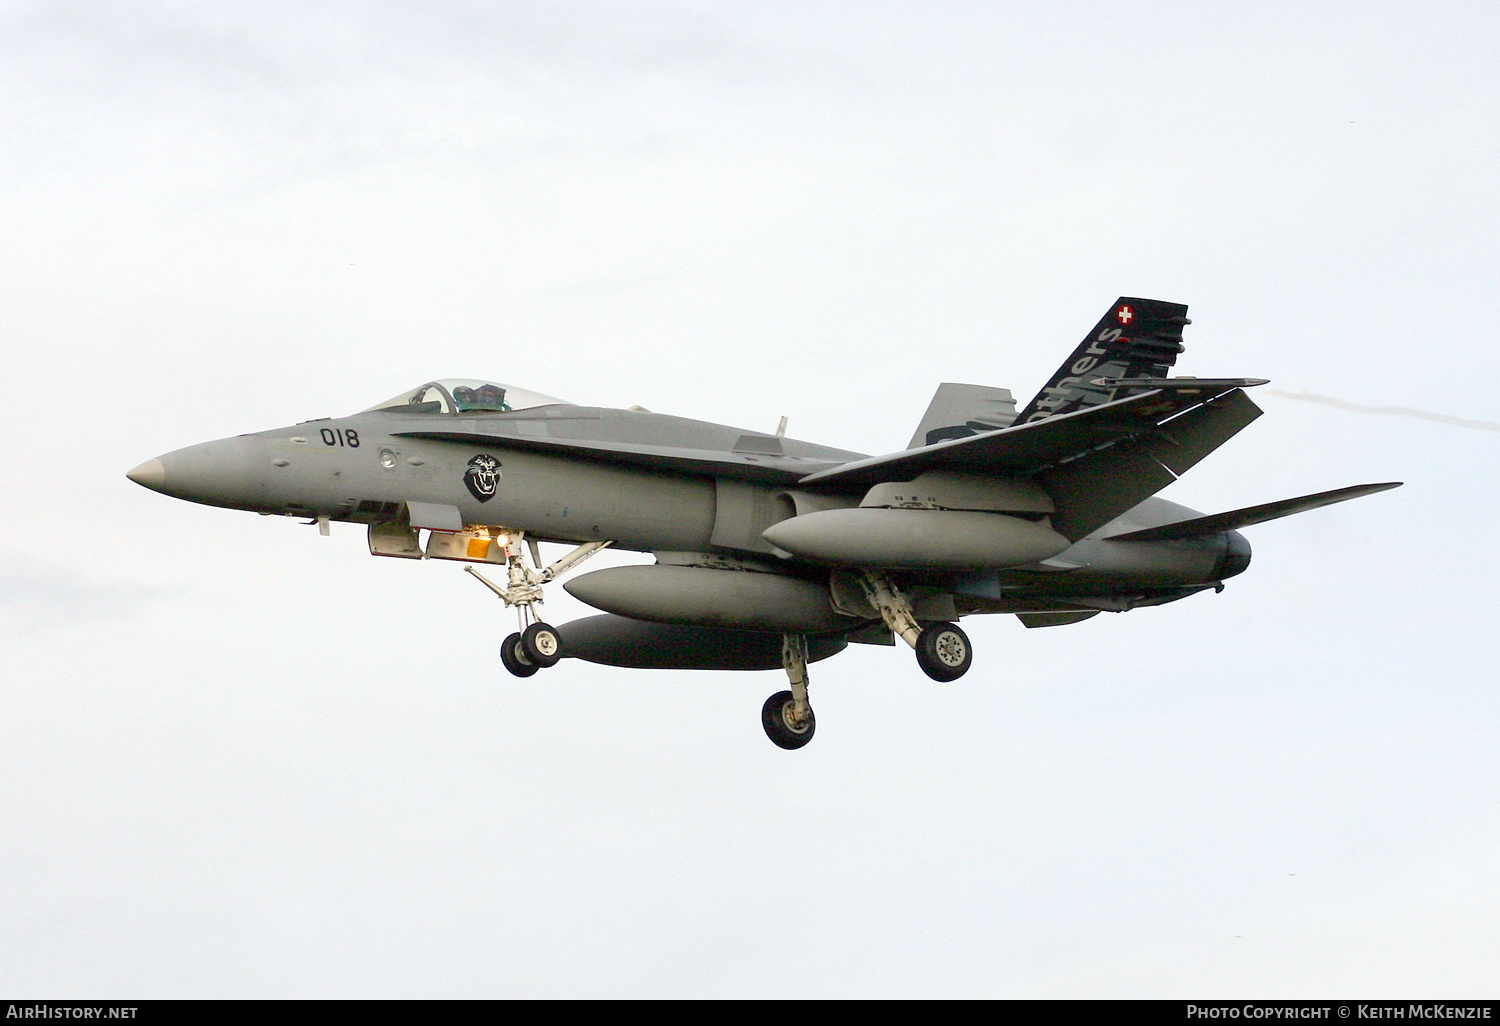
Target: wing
1028, 448
1235, 519
1096, 462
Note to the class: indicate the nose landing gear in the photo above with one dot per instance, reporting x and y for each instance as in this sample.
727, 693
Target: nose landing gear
536, 645
535, 648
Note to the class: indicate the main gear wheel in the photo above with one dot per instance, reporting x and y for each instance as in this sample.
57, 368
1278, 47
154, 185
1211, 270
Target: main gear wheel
779, 717
943, 651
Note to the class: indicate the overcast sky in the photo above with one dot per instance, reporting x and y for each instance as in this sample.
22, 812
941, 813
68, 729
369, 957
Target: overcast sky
238, 759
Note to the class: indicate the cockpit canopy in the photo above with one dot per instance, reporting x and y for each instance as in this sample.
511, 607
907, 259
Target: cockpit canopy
464, 395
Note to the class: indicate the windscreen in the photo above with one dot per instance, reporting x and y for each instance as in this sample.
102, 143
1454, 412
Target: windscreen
464, 396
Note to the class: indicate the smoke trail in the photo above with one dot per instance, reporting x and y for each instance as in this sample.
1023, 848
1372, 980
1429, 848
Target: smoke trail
1395, 411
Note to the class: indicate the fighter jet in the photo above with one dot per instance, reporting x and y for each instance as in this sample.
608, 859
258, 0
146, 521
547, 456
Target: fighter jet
775, 552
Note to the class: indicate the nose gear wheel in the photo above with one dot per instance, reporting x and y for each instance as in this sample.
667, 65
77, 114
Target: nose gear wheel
513, 659
540, 645
536, 645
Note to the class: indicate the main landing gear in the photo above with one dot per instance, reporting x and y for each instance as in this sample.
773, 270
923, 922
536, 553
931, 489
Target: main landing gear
943, 652
943, 649
787, 716
536, 645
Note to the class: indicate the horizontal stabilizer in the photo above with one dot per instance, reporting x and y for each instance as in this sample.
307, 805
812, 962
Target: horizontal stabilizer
1236, 519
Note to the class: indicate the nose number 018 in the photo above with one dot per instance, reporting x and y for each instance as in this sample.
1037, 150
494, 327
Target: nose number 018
340, 436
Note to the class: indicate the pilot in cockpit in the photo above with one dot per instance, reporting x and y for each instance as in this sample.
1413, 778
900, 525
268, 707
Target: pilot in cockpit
485, 397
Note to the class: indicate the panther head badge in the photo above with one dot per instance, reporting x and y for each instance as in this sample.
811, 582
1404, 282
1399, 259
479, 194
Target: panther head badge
482, 477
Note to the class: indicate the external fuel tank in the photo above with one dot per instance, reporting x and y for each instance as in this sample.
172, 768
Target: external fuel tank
706, 597
917, 539
619, 641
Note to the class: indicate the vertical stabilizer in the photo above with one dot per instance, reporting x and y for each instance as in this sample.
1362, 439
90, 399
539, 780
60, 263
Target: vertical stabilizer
958, 411
1138, 338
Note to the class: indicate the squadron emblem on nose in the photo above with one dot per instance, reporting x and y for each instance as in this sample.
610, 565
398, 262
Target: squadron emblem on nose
482, 477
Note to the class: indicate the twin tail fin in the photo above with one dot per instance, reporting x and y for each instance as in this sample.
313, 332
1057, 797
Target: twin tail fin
1137, 338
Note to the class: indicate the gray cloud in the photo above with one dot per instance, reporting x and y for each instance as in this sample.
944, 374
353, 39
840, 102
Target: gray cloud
40, 596
308, 770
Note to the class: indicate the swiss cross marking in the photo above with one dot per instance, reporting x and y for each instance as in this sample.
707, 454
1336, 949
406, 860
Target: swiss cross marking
1126, 315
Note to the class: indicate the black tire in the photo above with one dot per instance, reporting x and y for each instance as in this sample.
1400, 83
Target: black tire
943, 651
774, 715
514, 659
540, 645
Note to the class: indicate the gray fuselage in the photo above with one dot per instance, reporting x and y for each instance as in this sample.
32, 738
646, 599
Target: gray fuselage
646, 482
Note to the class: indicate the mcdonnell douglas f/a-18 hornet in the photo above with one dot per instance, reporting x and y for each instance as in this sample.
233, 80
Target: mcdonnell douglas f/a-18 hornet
774, 552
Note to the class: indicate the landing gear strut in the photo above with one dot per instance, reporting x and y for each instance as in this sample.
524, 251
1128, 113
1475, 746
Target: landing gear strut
787, 717
536, 645
943, 649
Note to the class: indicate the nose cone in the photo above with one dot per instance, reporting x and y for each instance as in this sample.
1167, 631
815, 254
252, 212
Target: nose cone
152, 474
229, 472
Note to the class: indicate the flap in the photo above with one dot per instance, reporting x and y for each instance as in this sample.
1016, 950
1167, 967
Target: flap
1093, 490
